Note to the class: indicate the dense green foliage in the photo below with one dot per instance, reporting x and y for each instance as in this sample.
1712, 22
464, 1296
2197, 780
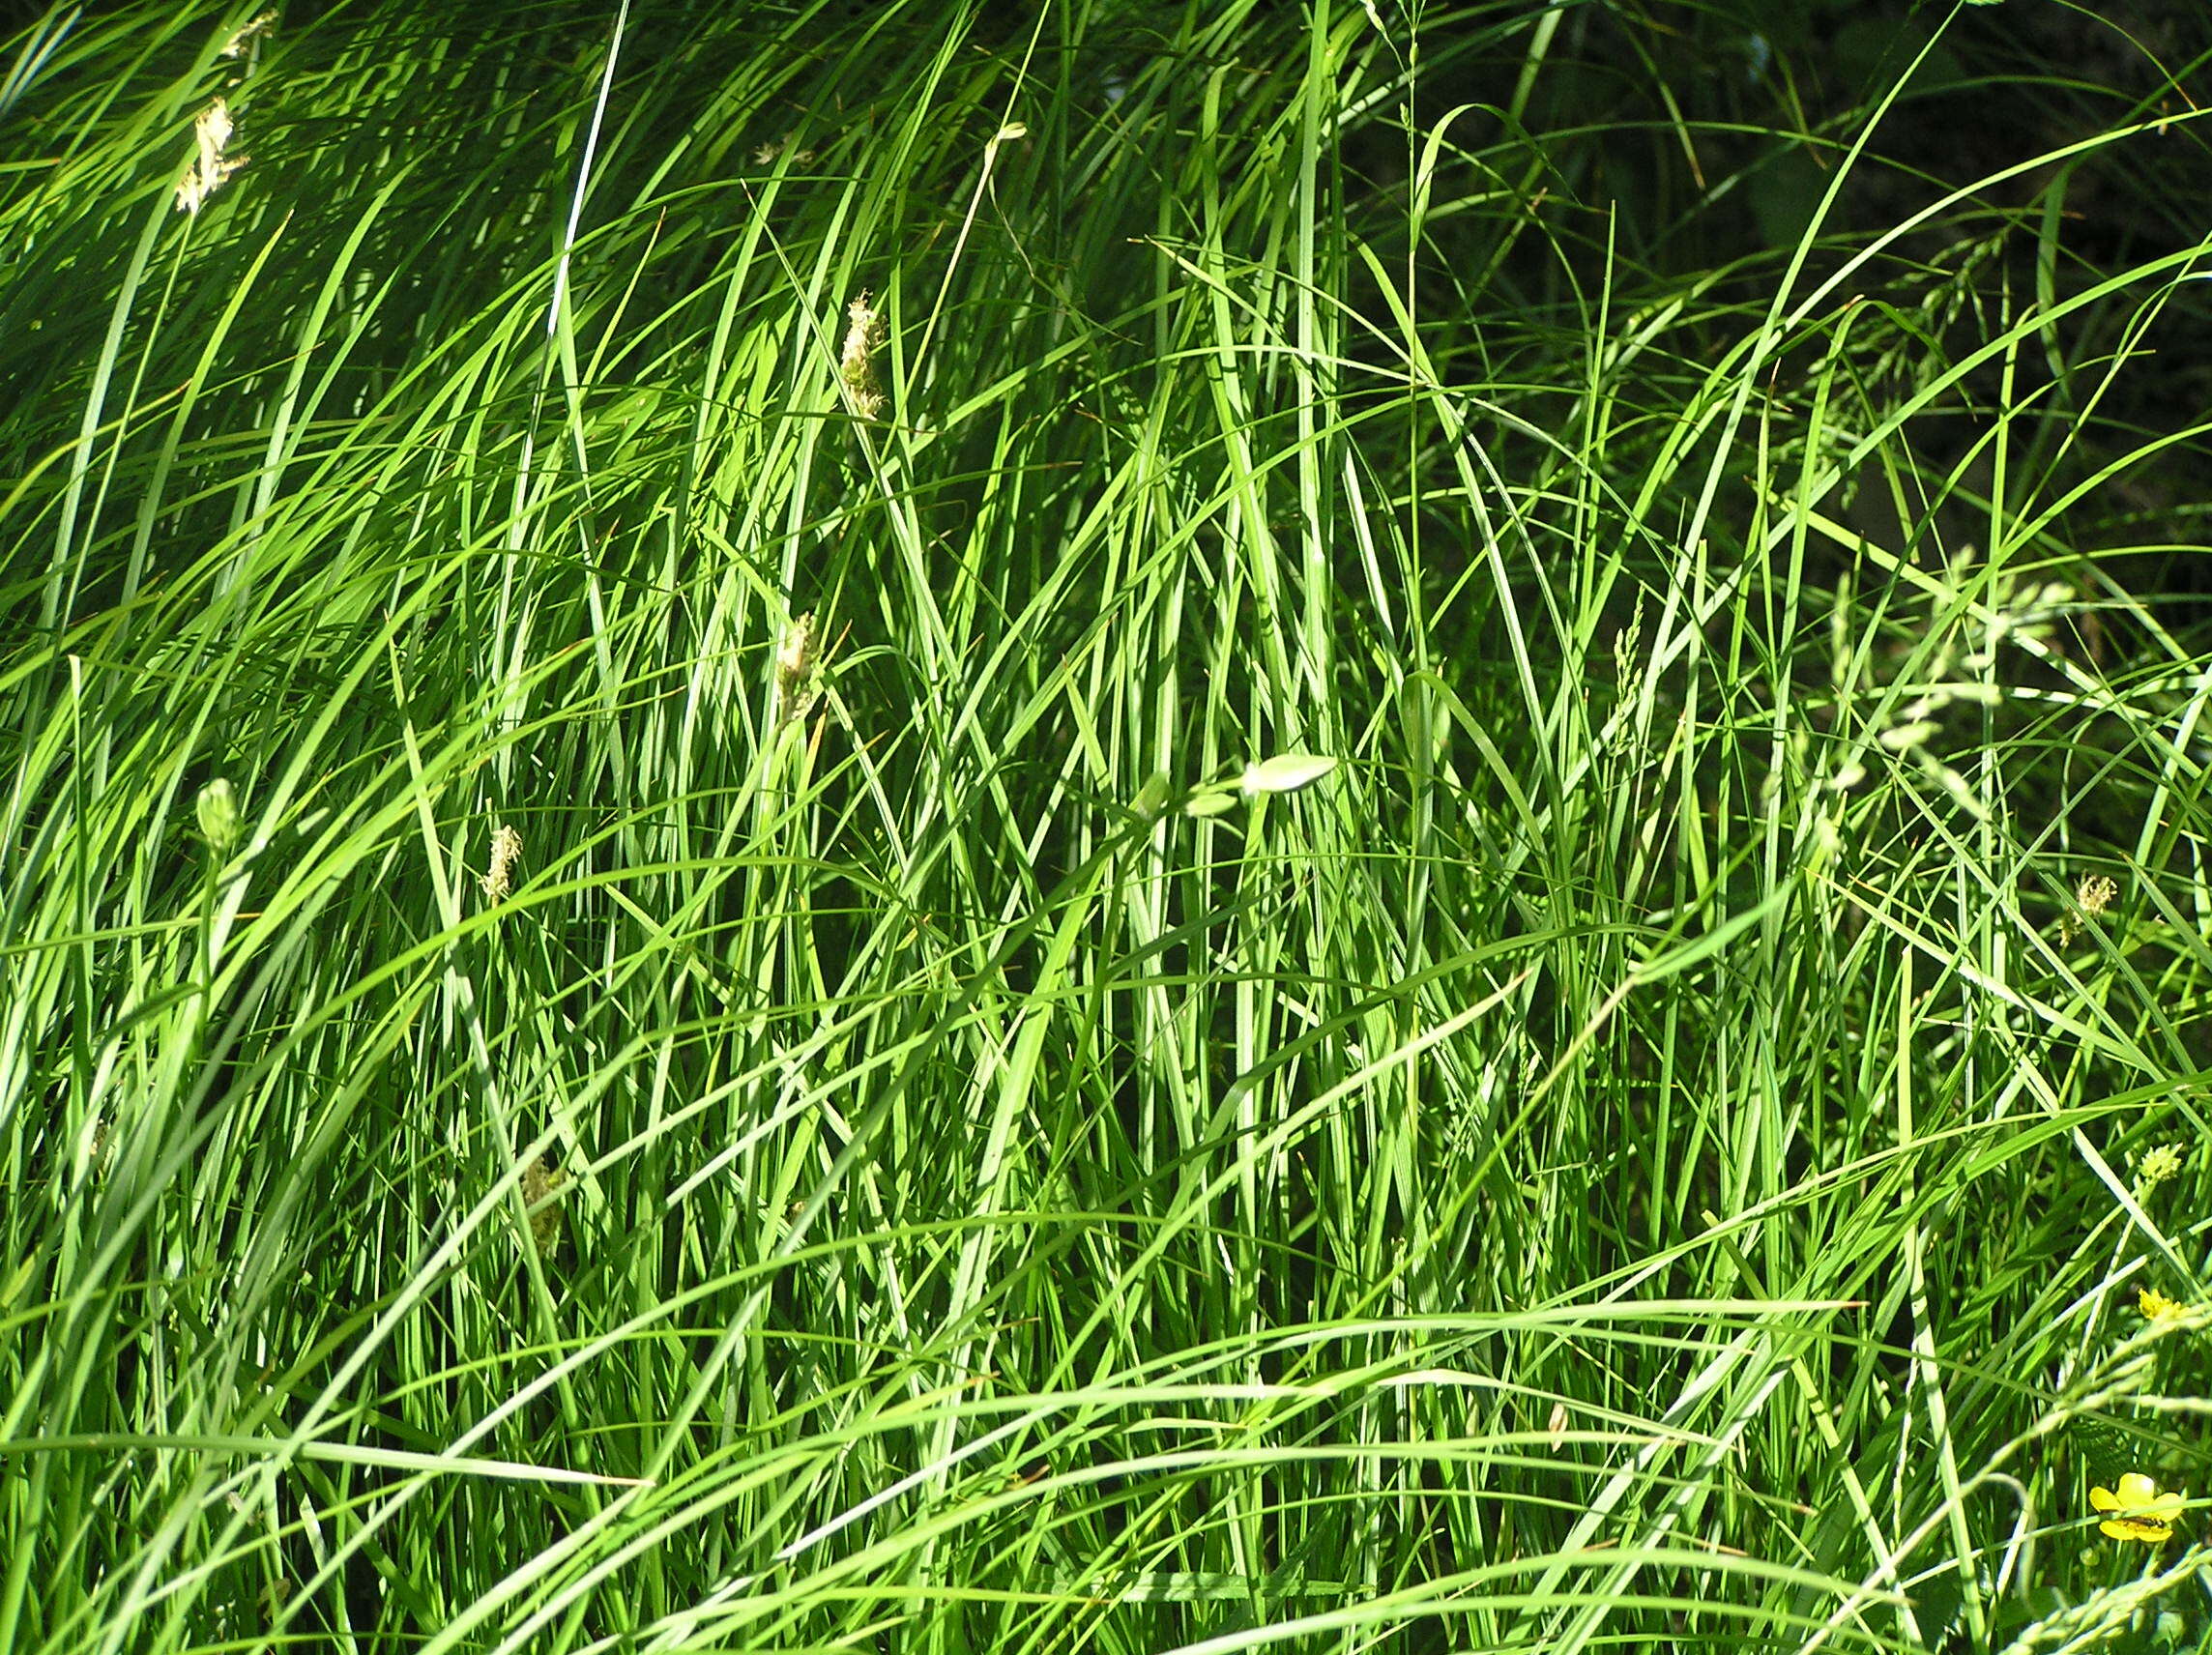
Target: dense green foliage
641, 1010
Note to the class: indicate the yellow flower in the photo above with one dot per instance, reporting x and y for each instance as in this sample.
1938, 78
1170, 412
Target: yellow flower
2157, 1307
2140, 1512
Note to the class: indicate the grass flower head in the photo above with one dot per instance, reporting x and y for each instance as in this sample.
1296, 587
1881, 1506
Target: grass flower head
505, 848
2159, 1165
211, 168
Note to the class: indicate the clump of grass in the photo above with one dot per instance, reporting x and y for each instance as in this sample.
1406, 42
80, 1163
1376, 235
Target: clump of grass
1462, 938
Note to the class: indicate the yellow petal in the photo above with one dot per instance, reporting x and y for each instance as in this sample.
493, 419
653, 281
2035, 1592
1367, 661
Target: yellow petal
2136, 1528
